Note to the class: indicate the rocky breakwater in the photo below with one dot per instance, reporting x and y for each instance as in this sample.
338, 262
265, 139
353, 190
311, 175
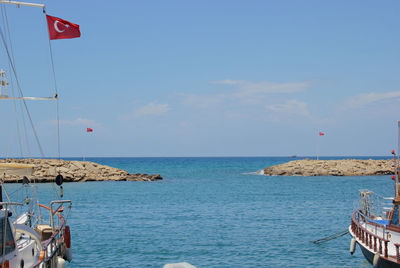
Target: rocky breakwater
45, 170
345, 167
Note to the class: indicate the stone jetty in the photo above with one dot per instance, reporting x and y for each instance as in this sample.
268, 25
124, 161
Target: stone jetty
45, 170
345, 167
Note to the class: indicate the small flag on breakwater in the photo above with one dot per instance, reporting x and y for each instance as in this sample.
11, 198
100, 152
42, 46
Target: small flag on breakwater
320, 133
88, 130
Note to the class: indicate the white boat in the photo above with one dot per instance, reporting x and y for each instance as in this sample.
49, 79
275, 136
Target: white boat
31, 234
26, 238
375, 225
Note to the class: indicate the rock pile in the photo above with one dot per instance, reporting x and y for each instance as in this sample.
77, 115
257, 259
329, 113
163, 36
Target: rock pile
45, 170
345, 167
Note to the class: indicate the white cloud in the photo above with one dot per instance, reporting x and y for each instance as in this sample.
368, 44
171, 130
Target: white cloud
78, 122
153, 108
245, 92
370, 98
249, 89
228, 82
290, 107
202, 101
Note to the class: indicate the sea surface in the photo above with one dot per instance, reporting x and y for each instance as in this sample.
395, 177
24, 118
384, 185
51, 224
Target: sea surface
213, 212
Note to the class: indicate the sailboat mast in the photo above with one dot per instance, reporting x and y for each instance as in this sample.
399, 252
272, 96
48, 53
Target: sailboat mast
397, 163
1, 195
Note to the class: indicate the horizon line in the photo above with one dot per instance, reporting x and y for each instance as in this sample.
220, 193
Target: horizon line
220, 156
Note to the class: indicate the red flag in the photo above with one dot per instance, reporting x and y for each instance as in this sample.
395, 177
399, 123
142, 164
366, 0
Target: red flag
89, 129
321, 133
62, 29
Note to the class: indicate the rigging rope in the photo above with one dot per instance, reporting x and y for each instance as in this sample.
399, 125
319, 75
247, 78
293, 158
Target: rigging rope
331, 237
20, 92
12, 64
13, 93
5, 22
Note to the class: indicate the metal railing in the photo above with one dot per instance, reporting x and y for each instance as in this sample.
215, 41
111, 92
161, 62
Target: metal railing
372, 204
55, 244
372, 240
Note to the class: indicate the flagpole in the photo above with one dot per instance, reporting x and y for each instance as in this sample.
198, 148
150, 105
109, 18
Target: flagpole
398, 152
88, 130
318, 137
84, 147
396, 180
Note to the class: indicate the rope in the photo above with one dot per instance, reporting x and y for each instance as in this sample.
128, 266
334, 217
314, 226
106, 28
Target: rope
11, 62
12, 90
20, 92
331, 237
6, 25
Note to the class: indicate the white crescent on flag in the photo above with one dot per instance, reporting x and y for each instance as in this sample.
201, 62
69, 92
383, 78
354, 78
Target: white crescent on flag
58, 29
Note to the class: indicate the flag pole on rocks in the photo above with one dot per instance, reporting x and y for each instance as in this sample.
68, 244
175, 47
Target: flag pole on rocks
88, 130
320, 133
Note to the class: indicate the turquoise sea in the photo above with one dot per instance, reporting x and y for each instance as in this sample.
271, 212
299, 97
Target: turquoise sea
213, 212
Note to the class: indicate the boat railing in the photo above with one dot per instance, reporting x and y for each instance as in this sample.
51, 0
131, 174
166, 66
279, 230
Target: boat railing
372, 205
55, 243
7, 204
397, 252
376, 242
50, 247
58, 210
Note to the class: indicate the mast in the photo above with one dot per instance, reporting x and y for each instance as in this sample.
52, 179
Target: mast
3, 82
397, 177
395, 213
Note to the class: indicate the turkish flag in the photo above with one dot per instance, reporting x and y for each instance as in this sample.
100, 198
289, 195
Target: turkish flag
89, 129
62, 29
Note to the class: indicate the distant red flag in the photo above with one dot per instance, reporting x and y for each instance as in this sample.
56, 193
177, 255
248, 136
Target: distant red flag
89, 129
62, 29
321, 133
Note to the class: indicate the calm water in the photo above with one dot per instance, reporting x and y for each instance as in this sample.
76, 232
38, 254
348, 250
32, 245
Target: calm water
212, 212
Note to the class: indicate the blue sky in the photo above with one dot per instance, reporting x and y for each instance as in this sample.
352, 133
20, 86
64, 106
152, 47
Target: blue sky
212, 78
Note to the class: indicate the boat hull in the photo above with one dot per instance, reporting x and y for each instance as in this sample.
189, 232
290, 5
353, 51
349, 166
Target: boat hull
382, 263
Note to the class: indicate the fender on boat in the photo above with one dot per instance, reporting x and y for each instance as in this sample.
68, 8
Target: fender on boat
352, 246
68, 254
60, 263
67, 242
67, 237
